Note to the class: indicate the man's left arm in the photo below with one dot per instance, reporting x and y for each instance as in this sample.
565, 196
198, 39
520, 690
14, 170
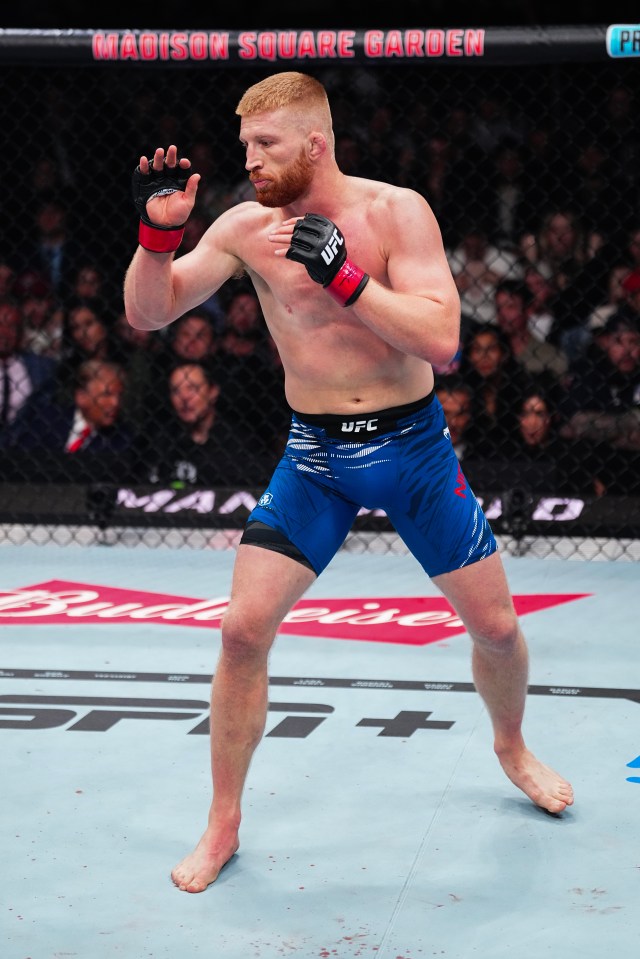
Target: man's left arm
418, 313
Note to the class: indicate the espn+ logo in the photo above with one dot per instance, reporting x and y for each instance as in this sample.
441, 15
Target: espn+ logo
331, 249
623, 40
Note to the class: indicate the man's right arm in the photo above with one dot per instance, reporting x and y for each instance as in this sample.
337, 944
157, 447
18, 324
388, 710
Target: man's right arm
157, 288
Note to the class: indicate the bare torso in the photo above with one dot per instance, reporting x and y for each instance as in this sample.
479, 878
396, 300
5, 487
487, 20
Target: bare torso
333, 362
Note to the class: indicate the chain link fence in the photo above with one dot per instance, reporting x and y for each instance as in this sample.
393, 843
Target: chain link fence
530, 160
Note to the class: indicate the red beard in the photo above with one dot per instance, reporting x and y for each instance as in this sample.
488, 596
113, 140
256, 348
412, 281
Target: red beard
290, 186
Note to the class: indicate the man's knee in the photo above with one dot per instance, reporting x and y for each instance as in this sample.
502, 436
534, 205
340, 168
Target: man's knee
246, 637
498, 631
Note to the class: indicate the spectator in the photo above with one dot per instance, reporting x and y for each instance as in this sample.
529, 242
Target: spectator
7, 279
631, 289
631, 252
546, 165
139, 352
602, 402
88, 335
559, 246
349, 153
430, 170
497, 381
534, 355
458, 128
81, 439
538, 458
127, 338
598, 190
212, 197
506, 197
616, 129
456, 397
618, 293
91, 284
42, 314
577, 266
541, 293
381, 142
477, 268
192, 338
492, 124
195, 444
253, 393
244, 328
22, 372
52, 250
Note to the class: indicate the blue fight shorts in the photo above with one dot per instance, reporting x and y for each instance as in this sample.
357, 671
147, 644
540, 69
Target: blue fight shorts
399, 460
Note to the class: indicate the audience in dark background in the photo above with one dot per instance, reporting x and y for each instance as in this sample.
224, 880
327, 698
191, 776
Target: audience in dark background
542, 232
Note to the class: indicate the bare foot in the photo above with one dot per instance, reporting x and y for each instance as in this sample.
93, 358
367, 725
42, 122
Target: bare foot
540, 783
202, 867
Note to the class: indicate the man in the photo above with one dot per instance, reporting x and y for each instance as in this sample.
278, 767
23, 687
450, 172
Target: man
477, 267
22, 372
456, 399
357, 335
534, 355
90, 423
253, 383
602, 402
194, 338
53, 248
195, 444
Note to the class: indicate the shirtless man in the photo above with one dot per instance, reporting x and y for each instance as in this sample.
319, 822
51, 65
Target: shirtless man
357, 335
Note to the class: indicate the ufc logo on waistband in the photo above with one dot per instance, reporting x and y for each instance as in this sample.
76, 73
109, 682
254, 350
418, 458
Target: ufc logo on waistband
331, 249
354, 426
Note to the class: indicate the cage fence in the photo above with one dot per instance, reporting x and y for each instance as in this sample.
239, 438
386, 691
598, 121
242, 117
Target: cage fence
524, 142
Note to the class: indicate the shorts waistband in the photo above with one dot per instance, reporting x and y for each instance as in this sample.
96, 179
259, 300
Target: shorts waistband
366, 426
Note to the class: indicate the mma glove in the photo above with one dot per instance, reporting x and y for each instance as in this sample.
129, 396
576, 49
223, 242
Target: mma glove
146, 186
319, 245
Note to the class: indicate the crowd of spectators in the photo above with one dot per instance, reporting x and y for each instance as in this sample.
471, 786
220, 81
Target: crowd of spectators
542, 234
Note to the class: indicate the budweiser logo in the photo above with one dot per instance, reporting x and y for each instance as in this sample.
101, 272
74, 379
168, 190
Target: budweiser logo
413, 620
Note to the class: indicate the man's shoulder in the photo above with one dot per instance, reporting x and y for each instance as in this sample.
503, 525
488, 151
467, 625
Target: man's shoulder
381, 189
242, 220
249, 211
386, 202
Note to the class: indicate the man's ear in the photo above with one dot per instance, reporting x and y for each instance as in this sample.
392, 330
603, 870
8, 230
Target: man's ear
317, 145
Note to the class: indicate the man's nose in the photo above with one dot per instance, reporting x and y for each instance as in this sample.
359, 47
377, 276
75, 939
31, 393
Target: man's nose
253, 162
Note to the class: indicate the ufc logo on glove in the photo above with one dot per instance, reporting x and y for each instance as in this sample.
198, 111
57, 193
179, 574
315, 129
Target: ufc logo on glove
331, 249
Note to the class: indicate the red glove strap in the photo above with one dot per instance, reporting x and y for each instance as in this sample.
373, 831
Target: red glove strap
348, 283
159, 241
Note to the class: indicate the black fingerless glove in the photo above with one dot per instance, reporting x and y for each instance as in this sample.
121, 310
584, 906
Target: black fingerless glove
319, 245
146, 186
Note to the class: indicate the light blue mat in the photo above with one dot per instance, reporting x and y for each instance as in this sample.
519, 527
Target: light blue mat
377, 822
